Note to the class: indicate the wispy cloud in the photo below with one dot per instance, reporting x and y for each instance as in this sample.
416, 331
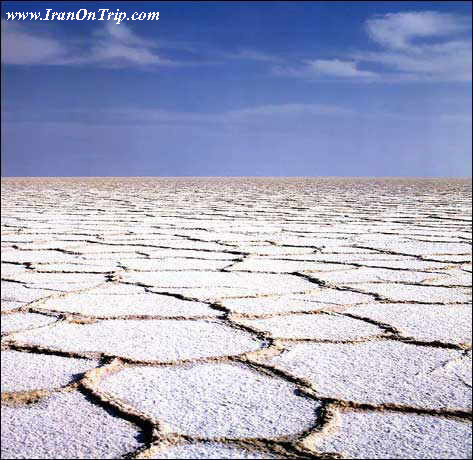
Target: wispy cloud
415, 46
252, 55
331, 68
398, 30
406, 47
263, 115
131, 116
446, 62
114, 45
338, 68
119, 46
422, 45
22, 47
287, 110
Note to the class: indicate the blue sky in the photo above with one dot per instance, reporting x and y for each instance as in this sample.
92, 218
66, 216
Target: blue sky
239, 89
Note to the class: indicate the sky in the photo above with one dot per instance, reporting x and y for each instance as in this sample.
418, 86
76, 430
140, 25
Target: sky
237, 89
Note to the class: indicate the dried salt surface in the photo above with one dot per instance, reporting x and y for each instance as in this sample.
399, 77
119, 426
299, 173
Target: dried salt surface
363, 275
392, 435
97, 248
37, 256
380, 372
10, 270
445, 323
356, 234
254, 282
340, 297
280, 304
19, 321
320, 327
275, 251
392, 262
207, 294
65, 425
284, 266
171, 243
48, 245
451, 278
18, 292
224, 238
463, 369
372, 259
23, 371
417, 293
116, 258
240, 300
75, 268
181, 253
344, 256
452, 258
214, 450
215, 400
150, 340
122, 305
9, 305
175, 264
116, 289
40, 280
417, 247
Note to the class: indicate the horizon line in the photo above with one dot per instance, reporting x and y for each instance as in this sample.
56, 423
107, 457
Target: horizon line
237, 177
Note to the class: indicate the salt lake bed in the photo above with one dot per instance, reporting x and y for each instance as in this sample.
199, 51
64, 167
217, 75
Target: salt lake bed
236, 318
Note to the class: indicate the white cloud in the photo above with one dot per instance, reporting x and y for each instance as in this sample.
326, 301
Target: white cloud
329, 68
285, 110
158, 116
399, 29
416, 46
118, 54
245, 115
114, 45
408, 46
119, 46
338, 68
447, 58
252, 55
21, 47
123, 34
445, 62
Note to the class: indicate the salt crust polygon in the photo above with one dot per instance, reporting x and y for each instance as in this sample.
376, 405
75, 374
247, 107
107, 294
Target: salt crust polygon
320, 326
211, 450
393, 435
18, 321
446, 323
22, 371
106, 305
145, 340
380, 372
215, 400
65, 425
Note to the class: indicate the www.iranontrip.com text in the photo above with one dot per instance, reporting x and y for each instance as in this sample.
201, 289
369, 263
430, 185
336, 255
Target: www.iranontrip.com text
103, 14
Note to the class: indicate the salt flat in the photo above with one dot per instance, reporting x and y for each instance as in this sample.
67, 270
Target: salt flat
236, 318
